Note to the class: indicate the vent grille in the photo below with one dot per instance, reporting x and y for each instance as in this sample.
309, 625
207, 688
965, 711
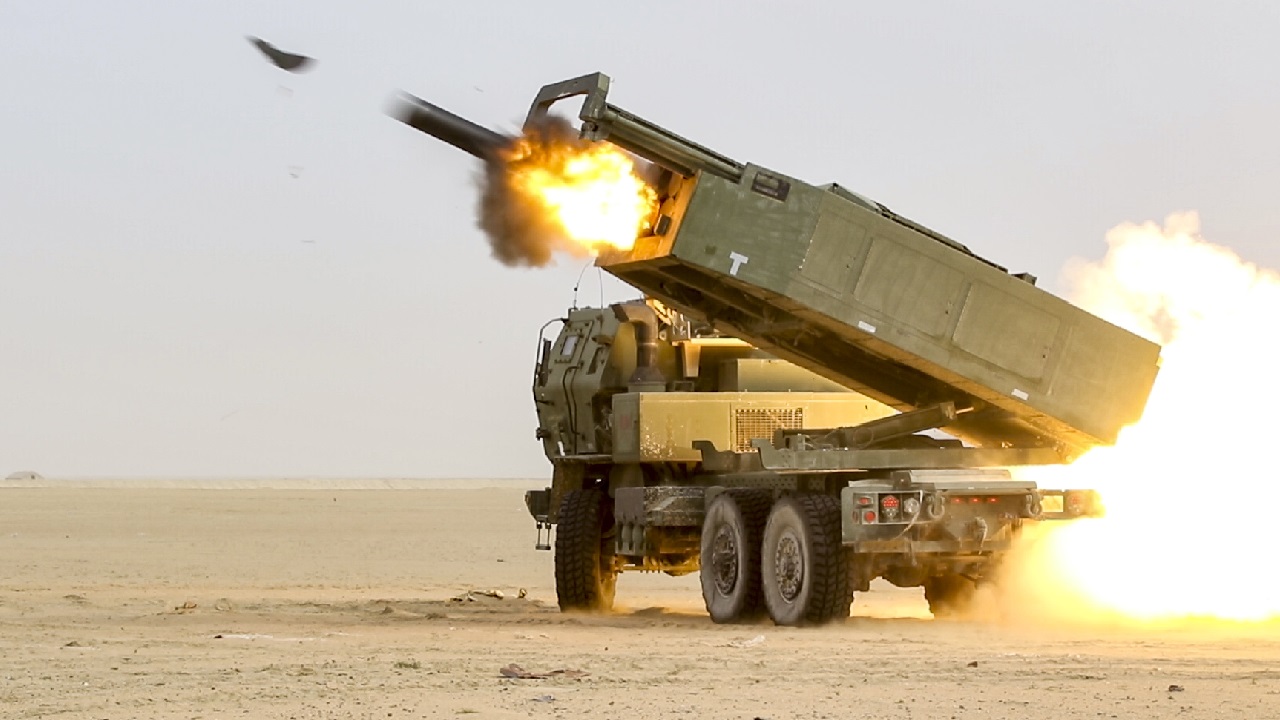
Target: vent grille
754, 423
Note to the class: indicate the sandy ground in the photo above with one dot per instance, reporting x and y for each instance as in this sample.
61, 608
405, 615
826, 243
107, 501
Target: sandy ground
144, 602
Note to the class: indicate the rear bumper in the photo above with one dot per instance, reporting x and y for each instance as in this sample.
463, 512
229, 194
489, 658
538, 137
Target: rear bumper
907, 546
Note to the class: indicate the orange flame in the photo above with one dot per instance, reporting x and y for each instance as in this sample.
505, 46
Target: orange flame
590, 189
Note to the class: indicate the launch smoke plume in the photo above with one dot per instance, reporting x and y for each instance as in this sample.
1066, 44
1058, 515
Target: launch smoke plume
1188, 490
550, 191
520, 231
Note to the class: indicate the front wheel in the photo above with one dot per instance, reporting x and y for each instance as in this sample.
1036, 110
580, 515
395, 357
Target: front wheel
585, 574
805, 575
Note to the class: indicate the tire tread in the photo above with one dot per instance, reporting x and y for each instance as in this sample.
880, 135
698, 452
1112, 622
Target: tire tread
577, 553
754, 506
830, 596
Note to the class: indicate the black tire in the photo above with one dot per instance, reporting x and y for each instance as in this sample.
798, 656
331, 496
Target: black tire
805, 574
585, 574
730, 558
949, 596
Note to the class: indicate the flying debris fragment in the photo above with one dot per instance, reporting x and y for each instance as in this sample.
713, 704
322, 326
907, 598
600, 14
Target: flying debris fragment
281, 59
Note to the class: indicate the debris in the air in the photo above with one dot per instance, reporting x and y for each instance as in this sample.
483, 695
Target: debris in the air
281, 59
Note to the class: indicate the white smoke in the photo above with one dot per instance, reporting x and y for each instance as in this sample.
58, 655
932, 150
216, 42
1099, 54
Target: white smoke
1191, 489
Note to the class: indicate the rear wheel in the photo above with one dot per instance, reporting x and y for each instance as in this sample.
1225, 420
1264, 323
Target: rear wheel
730, 556
805, 575
585, 574
949, 595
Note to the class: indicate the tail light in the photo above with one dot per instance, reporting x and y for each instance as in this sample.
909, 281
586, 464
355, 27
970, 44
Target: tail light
889, 506
1075, 503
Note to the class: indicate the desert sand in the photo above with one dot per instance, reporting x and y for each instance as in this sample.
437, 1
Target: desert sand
259, 600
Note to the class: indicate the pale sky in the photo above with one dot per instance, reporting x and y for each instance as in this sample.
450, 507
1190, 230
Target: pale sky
173, 301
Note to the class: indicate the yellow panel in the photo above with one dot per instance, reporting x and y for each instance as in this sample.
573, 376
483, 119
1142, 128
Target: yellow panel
662, 427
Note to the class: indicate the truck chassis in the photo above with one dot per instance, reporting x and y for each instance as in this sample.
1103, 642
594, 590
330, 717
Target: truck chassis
791, 544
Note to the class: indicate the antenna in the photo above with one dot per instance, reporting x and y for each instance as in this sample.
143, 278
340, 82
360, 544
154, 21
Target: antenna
578, 284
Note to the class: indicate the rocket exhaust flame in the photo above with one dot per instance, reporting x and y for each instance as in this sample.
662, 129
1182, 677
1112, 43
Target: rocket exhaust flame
547, 191
1190, 489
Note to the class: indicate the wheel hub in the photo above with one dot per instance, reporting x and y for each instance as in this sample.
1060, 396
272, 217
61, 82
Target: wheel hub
789, 567
724, 560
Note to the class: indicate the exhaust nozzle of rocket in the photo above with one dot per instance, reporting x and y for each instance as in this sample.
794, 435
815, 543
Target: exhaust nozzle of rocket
444, 125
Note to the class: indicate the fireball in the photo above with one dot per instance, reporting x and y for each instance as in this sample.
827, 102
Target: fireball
591, 190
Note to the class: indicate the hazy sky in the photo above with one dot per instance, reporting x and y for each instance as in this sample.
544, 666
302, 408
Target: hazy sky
173, 301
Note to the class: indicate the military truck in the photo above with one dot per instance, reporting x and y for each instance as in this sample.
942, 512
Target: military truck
815, 392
